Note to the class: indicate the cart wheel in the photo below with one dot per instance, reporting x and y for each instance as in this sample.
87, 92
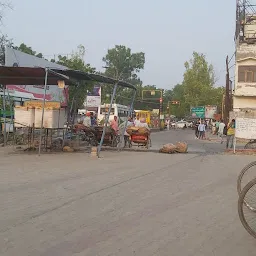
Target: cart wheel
247, 214
250, 145
246, 175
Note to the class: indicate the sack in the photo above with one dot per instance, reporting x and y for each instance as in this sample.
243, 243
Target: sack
225, 130
143, 130
181, 147
168, 148
166, 151
129, 131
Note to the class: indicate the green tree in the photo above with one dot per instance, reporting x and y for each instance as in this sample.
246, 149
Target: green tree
198, 80
4, 41
178, 94
122, 64
27, 49
76, 62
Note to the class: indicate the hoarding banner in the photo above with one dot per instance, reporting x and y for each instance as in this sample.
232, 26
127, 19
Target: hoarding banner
15, 58
198, 112
93, 99
210, 112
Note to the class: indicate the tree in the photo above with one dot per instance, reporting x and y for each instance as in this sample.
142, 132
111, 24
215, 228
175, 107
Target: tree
27, 49
4, 41
3, 6
183, 108
198, 80
122, 64
76, 62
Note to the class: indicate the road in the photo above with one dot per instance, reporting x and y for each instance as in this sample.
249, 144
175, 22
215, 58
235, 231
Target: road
127, 203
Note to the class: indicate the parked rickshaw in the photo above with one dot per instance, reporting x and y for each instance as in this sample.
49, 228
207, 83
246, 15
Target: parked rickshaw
246, 187
111, 138
86, 134
139, 137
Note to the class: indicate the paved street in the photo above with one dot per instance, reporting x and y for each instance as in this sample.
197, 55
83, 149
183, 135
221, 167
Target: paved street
127, 203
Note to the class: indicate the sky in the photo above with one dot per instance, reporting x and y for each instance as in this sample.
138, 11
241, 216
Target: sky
167, 31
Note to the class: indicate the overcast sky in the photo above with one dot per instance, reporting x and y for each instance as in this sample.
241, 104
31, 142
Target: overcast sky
168, 31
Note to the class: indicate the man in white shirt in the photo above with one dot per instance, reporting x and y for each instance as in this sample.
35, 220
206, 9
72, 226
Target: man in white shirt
143, 123
221, 129
201, 129
87, 120
137, 121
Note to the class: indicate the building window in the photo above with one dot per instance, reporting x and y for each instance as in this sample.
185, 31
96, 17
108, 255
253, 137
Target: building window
247, 74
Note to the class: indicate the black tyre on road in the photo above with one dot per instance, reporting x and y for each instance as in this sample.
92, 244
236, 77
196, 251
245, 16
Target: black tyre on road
247, 207
242, 180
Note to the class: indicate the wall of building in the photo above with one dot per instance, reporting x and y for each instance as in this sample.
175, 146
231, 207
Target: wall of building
244, 88
244, 92
245, 50
244, 102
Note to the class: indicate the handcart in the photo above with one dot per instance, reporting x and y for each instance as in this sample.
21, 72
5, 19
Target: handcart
87, 134
111, 138
140, 139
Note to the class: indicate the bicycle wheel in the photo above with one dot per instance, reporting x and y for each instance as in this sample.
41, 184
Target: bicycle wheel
247, 214
250, 145
245, 176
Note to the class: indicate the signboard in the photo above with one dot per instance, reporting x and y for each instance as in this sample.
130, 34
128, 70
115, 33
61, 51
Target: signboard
210, 111
245, 128
39, 104
93, 99
15, 58
198, 112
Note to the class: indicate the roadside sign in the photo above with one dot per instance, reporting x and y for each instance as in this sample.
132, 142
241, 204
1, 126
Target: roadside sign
198, 112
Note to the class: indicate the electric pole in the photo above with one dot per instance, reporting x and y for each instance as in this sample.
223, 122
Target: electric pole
227, 98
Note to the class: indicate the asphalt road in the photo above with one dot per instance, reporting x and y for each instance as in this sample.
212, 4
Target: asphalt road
127, 203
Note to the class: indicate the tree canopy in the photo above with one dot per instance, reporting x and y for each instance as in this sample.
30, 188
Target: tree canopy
196, 89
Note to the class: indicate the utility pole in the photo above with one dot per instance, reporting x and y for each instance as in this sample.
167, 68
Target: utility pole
227, 98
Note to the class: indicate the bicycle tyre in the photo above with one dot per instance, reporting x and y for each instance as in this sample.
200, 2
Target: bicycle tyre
241, 203
249, 145
240, 176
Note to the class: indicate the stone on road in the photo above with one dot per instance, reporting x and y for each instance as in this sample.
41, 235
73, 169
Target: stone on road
127, 203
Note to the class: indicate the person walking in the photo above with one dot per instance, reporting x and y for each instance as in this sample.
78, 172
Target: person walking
196, 129
231, 133
201, 129
221, 130
168, 124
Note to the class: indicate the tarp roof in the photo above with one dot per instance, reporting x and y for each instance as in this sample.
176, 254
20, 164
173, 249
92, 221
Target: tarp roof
36, 76
28, 76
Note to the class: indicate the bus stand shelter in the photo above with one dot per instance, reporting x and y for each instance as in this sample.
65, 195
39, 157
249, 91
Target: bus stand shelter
48, 76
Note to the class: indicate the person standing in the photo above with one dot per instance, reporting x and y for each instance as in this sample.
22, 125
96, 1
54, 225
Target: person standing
217, 124
196, 129
231, 133
87, 120
126, 135
201, 129
168, 124
137, 121
114, 124
221, 130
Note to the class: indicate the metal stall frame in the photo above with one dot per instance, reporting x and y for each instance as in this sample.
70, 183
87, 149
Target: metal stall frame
43, 76
125, 126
